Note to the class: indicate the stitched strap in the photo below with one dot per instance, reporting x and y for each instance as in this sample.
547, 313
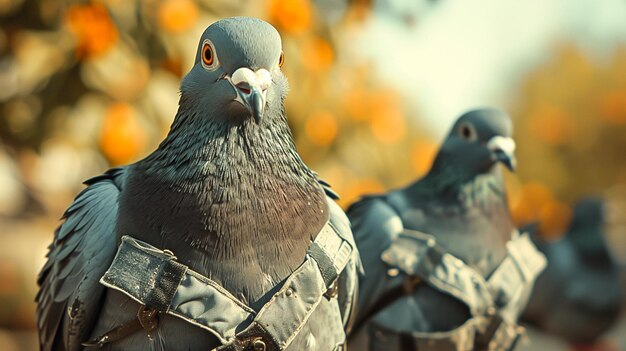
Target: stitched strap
495, 303
331, 253
520, 267
280, 320
149, 275
146, 319
155, 279
417, 254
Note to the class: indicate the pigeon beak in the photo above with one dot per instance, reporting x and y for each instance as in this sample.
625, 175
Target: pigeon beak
251, 89
503, 150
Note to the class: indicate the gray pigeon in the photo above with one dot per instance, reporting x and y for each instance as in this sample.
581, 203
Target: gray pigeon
222, 238
578, 297
421, 244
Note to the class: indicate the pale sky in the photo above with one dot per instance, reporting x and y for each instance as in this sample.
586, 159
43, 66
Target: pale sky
462, 54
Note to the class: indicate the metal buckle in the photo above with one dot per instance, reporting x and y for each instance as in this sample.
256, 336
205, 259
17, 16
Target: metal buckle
332, 291
148, 318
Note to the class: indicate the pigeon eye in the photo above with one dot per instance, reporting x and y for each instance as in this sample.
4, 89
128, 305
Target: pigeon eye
209, 59
281, 59
468, 132
207, 54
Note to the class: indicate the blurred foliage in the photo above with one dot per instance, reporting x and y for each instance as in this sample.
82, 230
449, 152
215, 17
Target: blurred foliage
571, 135
94, 85
85, 85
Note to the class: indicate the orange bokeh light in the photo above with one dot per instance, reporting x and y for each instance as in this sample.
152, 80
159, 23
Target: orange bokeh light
613, 107
177, 16
93, 28
388, 127
317, 54
552, 124
422, 155
122, 137
321, 128
293, 16
554, 219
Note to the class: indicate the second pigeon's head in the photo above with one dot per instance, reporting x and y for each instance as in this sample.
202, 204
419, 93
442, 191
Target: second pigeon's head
236, 76
478, 141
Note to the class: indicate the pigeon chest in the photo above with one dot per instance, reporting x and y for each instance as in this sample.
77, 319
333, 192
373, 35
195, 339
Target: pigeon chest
469, 234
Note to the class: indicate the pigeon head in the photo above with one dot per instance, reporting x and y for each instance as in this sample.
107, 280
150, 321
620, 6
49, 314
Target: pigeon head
236, 75
478, 141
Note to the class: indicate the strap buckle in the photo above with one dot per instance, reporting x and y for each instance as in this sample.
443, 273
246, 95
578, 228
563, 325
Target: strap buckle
253, 338
332, 291
147, 318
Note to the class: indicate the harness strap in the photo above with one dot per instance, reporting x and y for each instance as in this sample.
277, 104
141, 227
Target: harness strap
417, 254
499, 335
156, 280
139, 269
494, 303
520, 266
146, 319
406, 288
279, 320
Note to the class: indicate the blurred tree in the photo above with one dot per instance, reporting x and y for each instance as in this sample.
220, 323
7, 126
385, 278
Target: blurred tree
571, 124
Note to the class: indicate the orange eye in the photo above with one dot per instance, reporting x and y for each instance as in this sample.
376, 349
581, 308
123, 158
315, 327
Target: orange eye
207, 54
281, 60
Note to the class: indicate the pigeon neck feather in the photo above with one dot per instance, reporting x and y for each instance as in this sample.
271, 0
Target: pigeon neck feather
239, 195
246, 169
455, 188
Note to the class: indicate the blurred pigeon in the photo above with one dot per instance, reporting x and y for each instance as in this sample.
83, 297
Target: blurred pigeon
209, 228
578, 297
460, 206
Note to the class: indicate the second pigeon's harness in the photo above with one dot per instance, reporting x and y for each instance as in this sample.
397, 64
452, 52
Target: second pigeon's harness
494, 303
162, 285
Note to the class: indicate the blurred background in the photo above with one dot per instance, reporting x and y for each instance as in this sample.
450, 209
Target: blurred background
375, 84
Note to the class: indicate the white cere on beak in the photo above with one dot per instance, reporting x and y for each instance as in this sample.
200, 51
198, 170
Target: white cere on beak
260, 80
504, 144
252, 89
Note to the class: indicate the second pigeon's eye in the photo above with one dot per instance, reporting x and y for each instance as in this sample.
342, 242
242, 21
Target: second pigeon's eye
209, 59
467, 131
281, 59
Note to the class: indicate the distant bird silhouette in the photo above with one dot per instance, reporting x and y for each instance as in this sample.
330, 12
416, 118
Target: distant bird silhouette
579, 296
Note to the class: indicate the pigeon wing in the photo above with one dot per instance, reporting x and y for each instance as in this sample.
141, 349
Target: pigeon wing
84, 245
375, 225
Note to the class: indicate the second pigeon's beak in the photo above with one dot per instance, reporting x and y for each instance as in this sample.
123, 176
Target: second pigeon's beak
251, 88
503, 150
